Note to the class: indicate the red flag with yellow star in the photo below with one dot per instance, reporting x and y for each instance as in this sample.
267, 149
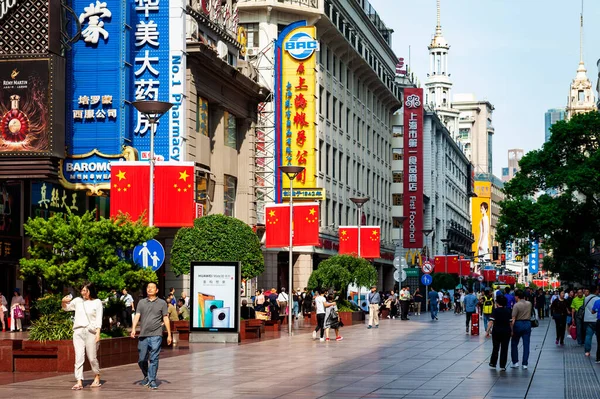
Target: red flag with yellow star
277, 225
306, 223
369, 241
129, 188
370, 238
174, 194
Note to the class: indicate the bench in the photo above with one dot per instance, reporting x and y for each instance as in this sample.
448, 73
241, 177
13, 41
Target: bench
272, 325
183, 327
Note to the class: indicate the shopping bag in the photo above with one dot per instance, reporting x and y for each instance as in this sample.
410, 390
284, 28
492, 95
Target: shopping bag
573, 331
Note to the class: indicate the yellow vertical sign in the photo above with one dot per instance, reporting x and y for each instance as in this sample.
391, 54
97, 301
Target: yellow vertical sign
481, 216
298, 77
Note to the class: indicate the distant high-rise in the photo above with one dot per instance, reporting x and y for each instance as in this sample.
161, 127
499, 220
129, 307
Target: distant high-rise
551, 117
514, 156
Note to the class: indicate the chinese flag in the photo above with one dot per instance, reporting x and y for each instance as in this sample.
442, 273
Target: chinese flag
348, 240
306, 223
370, 238
277, 225
129, 188
174, 192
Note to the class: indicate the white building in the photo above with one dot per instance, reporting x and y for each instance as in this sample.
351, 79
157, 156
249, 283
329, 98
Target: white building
475, 131
357, 96
438, 88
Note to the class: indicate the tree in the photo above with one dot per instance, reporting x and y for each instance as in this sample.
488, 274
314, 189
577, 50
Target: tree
217, 238
70, 250
445, 281
340, 270
566, 216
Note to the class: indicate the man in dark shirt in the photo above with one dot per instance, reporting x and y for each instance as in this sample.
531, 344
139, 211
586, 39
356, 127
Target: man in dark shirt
433, 303
154, 314
247, 312
499, 325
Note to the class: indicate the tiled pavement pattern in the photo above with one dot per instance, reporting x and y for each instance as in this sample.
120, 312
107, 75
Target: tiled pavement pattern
414, 359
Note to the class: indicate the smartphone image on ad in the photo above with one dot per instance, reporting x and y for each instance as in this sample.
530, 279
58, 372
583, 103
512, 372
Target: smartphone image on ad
202, 298
221, 317
209, 306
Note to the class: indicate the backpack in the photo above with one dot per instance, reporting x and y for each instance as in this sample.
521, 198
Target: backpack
580, 315
488, 305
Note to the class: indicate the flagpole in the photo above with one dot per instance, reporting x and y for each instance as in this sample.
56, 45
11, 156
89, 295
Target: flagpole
291, 172
152, 110
359, 202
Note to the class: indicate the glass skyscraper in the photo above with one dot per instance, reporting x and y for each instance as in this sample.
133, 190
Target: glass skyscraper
552, 116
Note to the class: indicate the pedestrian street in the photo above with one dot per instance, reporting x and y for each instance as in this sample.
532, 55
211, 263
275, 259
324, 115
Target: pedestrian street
419, 358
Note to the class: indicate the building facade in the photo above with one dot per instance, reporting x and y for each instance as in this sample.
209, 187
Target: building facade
514, 156
475, 131
356, 96
552, 116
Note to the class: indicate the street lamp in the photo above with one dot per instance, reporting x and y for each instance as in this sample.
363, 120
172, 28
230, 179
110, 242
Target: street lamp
426, 232
153, 110
446, 241
291, 172
359, 202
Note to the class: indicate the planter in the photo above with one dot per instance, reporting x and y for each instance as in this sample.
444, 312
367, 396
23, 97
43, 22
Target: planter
351, 318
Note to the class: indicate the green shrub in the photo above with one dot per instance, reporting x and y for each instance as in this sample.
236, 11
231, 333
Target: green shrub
51, 327
113, 307
115, 332
49, 304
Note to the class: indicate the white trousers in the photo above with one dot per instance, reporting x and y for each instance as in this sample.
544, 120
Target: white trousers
374, 314
15, 324
85, 342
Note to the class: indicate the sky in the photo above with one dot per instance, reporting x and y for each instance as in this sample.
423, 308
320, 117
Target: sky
520, 55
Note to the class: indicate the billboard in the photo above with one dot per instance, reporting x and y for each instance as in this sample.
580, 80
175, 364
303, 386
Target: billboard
413, 168
25, 120
295, 107
214, 303
481, 217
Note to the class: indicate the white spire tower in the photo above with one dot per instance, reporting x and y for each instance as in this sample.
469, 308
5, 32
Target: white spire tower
438, 88
581, 98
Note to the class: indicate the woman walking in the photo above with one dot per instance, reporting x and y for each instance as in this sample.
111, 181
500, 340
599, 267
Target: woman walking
86, 332
560, 312
17, 311
499, 326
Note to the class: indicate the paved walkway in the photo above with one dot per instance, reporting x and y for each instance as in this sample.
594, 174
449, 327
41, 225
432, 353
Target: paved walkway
414, 359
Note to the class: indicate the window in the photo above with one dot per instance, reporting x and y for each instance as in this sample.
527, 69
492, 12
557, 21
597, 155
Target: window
464, 133
201, 116
397, 154
580, 96
252, 31
396, 223
398, 176
328, 100
398, 131
229, 195
231, 132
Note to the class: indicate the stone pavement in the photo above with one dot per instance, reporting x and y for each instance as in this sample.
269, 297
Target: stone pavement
414, 359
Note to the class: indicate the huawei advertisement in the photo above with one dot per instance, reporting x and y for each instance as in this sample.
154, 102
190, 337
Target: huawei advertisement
215, 296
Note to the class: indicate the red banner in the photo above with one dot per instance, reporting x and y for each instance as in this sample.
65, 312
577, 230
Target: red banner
174, 192
306, 225
370, 240
277, 226
413, 168
348, 236
129, 189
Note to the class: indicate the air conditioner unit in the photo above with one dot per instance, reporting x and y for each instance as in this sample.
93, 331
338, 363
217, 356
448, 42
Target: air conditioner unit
252, 51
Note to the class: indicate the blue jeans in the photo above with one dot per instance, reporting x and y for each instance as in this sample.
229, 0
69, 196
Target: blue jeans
486, 319
590, 330
149, 349
522, 328
580, 327
434, 310
295, 309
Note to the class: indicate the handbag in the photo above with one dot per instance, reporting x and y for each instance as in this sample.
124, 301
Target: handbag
18, 313
534, 321
573, 331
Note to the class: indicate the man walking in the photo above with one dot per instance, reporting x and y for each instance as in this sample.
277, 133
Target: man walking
433, 304
153, 312
589, 321
405, 302
374, 300
521, 327
129, 308
470, 307
578, 321
320, 312
487, 306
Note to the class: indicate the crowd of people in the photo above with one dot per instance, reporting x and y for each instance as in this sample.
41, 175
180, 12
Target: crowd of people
15, 312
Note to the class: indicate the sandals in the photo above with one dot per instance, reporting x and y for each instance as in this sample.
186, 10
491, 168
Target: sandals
95, 384
77, 387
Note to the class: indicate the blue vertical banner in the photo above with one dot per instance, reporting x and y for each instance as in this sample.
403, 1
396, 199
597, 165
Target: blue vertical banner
534, 256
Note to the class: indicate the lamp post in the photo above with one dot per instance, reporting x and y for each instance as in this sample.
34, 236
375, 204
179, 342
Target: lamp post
291, 172
153, 110
446, 241
359, 202
426, 232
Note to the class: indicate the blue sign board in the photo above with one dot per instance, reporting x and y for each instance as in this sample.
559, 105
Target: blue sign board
534, 256
426, 279
149, 254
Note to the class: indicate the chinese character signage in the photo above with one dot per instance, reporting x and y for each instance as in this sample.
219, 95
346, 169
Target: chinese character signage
48, 199
295, 108
481, 216
25, 124
413, 168
128, 51
534, 257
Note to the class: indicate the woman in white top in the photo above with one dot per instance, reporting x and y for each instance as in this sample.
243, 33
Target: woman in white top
17, 301
86, 332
